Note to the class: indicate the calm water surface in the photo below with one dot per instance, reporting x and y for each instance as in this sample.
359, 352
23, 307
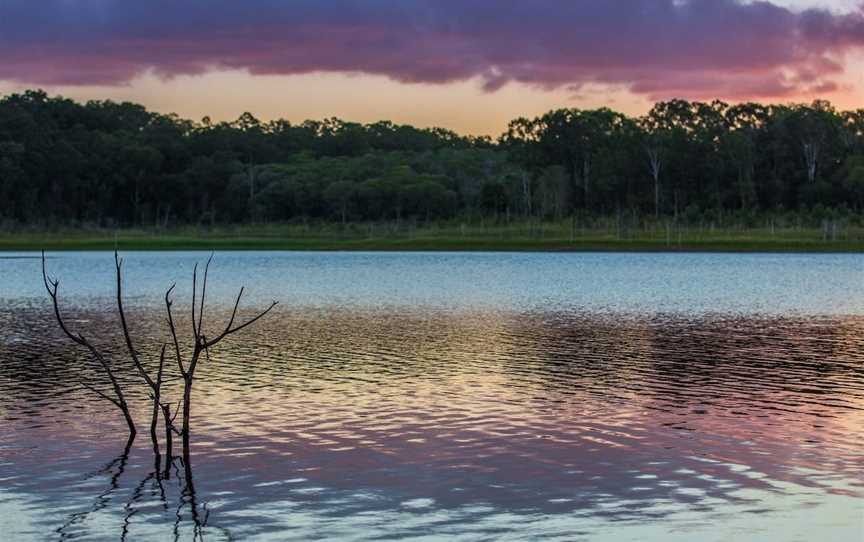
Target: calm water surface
453, 396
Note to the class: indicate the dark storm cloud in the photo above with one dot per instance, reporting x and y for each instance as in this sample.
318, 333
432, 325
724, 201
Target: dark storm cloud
657, 48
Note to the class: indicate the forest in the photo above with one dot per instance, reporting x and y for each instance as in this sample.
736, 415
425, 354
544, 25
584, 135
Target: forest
104, 164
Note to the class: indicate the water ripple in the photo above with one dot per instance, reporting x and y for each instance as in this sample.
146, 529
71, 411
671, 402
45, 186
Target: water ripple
381, 424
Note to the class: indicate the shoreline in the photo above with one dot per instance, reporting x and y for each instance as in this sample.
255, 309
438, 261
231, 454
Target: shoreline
49, 242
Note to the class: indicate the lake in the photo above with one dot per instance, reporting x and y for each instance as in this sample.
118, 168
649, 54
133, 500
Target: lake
457, 396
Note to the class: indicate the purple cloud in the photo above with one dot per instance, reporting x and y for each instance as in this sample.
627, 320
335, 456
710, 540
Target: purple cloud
658, 48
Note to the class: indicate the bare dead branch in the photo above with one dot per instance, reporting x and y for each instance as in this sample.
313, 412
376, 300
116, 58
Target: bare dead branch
173, 328
203, 294
99, 393
229, 330
176, 411
236, 305
169, 418
52, 286
118, 264
161, 367
194, 293
156, 397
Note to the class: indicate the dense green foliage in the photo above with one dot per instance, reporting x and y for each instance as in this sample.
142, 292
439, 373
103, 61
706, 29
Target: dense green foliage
116, 164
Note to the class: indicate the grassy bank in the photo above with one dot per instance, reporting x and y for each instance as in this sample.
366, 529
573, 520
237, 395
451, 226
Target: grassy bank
521, 237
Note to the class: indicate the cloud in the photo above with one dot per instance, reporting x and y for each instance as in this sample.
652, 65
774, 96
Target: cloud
656, 48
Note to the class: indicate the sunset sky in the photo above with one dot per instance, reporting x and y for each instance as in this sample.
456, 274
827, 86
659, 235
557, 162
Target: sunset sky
469, 65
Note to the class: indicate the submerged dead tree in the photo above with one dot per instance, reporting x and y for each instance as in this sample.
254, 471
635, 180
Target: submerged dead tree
202, 346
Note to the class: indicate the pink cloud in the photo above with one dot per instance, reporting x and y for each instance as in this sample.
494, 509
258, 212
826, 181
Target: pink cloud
656, 48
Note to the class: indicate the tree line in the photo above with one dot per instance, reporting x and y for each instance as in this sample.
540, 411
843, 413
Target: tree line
108, 164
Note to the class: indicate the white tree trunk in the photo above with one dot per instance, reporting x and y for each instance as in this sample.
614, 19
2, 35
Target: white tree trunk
656, 164
811, 157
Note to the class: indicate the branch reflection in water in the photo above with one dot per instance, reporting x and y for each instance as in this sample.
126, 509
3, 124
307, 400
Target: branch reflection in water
172, 491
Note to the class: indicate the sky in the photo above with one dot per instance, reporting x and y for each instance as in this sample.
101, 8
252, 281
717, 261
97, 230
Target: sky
468, 65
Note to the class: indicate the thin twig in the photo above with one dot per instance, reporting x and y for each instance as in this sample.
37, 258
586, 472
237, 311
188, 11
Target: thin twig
99, 393
194, 293
203, 294
229, 330
173, 328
